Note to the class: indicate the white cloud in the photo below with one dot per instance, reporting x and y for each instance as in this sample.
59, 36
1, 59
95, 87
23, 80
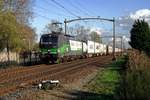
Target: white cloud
97, 30
126, 39
126, 22
142, 13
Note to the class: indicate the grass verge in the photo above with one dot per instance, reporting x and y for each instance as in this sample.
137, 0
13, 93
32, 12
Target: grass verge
105, 85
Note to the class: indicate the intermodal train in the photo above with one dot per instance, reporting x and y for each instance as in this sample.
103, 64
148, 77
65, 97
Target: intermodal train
56, 47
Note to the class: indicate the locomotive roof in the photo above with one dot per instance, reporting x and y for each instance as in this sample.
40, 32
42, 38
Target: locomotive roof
49, 34
53, 34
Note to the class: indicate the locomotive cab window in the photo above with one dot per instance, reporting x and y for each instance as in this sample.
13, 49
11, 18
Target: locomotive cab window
49, 41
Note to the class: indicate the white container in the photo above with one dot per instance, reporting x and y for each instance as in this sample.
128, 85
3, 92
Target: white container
101, 48
84, 47
110, 49
104, 48
75, 45
97, 47
90, 45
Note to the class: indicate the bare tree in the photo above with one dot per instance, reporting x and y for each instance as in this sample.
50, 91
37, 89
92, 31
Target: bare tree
15, 16
81, 32
53, 26
22, 9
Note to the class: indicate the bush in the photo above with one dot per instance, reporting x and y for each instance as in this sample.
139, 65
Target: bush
136, 79
138, 61
136, 86
140, 36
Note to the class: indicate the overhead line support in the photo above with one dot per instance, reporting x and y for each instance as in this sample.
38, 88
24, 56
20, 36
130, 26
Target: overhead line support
96, 18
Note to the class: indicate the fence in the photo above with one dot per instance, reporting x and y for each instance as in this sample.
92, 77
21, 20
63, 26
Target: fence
22, 58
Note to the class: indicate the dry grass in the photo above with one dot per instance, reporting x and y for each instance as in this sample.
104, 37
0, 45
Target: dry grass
136, 85
138, 60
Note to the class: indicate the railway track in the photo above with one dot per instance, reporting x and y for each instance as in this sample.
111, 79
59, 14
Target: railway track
12, 71
5, 77
38, 73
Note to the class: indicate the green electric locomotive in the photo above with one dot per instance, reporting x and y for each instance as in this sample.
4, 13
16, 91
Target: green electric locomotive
57, 47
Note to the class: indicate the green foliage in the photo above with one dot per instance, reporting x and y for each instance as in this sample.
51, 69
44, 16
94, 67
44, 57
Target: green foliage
106, 84
95, 37
17, 35
14, 25
36, 46
8, 30
28, 36
136, 85
136, 80
140, 36
1, 4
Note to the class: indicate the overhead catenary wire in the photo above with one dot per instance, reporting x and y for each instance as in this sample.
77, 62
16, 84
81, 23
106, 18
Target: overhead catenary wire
48, 11
65, 8
70, 7
78, 9
56, 6
84, 8
50, 3
47, 2
45, 17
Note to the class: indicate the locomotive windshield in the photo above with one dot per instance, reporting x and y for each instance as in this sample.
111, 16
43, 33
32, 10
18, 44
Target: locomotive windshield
48, 41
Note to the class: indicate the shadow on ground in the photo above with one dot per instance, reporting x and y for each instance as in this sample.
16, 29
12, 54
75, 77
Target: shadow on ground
84, 95
81, 95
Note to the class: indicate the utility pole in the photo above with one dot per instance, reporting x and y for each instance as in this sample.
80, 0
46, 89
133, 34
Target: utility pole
94, 41
65, 26
114, 40
121, 45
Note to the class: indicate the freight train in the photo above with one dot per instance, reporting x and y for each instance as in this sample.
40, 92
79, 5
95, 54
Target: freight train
60, 47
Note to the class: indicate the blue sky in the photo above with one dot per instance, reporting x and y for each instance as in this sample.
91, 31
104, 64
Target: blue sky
47, 10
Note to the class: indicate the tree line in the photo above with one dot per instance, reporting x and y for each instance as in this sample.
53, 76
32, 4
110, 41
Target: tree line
140, 36
16, 32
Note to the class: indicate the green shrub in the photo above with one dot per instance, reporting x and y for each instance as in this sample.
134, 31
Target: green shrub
136, 86
140, 36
